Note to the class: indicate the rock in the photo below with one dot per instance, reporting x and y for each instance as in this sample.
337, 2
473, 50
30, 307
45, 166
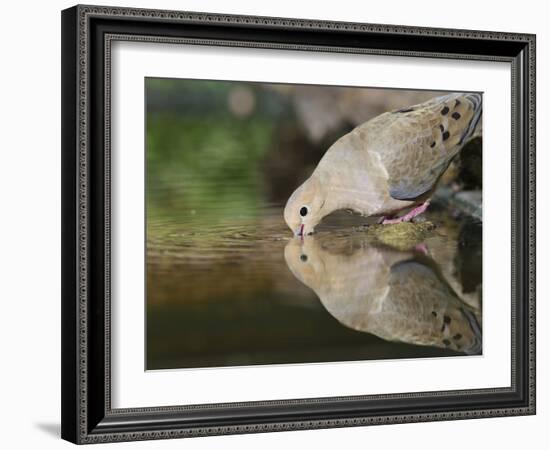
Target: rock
467, 202
401, 236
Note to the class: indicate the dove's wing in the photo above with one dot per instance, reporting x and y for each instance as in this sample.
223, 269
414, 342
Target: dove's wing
417, 144
431, 312
412, 281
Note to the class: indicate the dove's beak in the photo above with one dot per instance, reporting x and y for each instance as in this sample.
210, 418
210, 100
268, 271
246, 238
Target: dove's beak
300, 231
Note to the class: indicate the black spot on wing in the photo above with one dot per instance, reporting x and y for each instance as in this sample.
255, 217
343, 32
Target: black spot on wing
404, 110
455, 115
445, 110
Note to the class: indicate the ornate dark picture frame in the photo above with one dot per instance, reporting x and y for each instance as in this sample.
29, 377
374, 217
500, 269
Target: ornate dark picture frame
87, 34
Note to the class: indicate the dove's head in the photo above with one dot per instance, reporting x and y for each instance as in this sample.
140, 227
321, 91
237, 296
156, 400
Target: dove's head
304, 258
304, 209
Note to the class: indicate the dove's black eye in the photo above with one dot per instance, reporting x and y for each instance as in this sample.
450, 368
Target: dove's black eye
303, 211
303, 258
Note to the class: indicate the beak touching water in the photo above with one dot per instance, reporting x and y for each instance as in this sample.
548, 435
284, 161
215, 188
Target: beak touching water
300, 231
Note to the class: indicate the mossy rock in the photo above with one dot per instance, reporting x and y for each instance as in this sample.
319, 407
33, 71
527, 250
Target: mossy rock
402, 236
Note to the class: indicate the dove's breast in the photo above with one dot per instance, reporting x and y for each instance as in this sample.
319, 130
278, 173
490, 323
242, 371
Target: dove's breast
356, 178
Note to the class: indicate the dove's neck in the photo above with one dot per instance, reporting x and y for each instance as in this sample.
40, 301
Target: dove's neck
352, 178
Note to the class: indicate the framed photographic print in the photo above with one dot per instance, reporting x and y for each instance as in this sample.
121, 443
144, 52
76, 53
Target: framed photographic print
280, 224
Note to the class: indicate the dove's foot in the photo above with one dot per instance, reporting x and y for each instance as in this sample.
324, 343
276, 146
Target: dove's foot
421, 248
409, 216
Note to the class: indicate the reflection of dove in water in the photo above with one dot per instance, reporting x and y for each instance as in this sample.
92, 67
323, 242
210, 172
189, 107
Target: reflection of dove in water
386, 293
388, 165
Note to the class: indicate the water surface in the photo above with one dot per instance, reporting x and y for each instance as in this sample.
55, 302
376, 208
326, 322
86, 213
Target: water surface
243, 291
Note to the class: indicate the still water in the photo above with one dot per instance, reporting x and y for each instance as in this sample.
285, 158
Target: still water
243, 291
228, 284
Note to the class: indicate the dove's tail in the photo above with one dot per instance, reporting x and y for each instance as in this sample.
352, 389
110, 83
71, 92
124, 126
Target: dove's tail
474, 126
475, 347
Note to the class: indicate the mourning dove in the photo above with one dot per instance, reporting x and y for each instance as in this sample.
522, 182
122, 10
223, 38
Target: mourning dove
388, 165
391, 294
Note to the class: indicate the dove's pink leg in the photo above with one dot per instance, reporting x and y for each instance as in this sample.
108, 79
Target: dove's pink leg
421, 248
410, 215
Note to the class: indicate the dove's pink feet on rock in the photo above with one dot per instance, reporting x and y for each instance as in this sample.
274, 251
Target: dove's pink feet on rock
409, 216
421, 248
